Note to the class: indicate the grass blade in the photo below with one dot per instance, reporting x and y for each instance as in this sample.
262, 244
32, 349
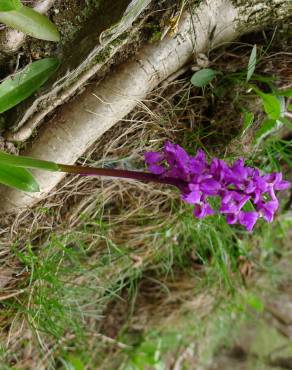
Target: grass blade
15, 89
248, 119
251, 63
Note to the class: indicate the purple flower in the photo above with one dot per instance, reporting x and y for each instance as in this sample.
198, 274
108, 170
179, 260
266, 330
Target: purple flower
194, 196
235, 185
248, 219
232, 202
202, 210
275, 180
152, 159
268, 209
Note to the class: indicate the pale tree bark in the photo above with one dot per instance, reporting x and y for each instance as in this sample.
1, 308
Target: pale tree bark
82, 121
91, 56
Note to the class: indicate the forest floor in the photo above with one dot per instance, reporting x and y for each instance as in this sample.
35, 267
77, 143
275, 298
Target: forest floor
109, 274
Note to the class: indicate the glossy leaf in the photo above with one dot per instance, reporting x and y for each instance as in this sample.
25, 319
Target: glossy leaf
203, 77
27, 162
251, 63
31, 22
15, 89
8, 5
18, 178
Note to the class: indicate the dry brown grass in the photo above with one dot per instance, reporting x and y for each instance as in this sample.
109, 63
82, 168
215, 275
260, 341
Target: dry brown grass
133, 212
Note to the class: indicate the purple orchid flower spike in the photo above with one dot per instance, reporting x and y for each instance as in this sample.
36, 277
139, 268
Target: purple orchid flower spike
235, 185
198, 180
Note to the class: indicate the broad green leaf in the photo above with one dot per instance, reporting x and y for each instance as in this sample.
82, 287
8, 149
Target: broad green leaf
266, 128
7, 5
272, 105
26, 162
203, 77
18, 178
15, 89
31, 22
251, 63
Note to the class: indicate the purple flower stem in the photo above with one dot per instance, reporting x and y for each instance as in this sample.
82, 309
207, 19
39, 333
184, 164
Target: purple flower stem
125, 174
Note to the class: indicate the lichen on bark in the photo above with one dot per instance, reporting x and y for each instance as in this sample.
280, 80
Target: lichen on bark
257, 13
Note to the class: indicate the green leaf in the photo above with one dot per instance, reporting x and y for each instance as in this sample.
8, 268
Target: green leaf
76, 363
203, 77
7, 5
15, 89
251, 63
287, 93
31, 22
255, 302
18, 178
26, 162
266, 128
272, 105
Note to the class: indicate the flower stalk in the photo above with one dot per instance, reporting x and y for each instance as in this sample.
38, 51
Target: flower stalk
124, 174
